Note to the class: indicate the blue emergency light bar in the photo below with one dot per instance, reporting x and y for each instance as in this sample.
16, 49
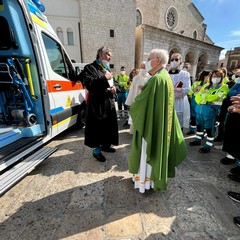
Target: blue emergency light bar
39, 5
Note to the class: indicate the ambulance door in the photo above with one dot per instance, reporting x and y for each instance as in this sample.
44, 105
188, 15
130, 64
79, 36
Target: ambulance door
62, 86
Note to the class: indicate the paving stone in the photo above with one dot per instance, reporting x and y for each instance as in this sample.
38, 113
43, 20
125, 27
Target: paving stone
73, 196
82, 225
123, 223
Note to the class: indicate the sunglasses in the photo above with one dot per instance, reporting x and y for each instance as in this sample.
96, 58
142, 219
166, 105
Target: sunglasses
175, 59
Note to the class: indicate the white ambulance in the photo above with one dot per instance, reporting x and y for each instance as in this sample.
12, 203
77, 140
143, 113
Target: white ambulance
40, 94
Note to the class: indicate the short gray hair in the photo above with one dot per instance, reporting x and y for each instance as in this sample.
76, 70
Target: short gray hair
102, 50
162, 54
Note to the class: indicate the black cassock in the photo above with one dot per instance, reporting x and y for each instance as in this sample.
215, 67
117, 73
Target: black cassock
101, 126
231, 135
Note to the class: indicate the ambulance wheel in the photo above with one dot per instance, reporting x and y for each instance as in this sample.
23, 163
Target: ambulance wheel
81, 116
31, 119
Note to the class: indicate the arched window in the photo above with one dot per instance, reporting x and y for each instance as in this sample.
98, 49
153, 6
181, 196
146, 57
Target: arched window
60, 34
138, 18
195, 34
70, 36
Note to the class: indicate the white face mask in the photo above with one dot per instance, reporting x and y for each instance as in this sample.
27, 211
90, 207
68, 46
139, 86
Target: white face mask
174, 64
123, 72
105, 63
148, 66
142, 71
216, 80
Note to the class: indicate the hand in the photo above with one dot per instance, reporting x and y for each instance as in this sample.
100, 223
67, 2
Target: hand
235, 99
234, 109
108, 76
113, 89
230, 109
178, 92
236, 103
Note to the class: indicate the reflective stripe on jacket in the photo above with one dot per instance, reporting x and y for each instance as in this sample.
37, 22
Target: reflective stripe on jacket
210, 95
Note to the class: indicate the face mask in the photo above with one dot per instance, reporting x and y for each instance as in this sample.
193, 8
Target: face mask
237, 80
216, 80
123, 72
148, 66
174, 64
105, 63
142, 71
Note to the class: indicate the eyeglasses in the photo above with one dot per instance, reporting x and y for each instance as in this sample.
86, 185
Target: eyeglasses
174, 59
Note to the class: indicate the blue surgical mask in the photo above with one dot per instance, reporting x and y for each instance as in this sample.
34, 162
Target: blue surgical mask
105, 64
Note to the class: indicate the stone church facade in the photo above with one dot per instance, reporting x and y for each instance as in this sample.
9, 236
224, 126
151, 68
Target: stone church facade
131, 29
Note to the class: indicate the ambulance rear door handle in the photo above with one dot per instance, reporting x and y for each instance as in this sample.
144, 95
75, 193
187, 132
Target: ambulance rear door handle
57, 86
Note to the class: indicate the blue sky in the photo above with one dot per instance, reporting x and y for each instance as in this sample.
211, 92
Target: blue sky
223, 22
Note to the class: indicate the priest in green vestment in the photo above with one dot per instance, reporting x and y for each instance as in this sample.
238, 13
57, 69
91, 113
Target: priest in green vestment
158, 144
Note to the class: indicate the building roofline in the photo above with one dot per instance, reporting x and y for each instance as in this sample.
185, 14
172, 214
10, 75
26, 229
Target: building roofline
182, 36
198, 10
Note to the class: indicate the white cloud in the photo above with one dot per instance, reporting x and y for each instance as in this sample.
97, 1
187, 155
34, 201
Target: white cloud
235, 33
229, 44
222, 54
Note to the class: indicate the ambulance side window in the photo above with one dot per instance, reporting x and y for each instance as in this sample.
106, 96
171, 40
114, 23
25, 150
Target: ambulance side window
69, 67
57, 58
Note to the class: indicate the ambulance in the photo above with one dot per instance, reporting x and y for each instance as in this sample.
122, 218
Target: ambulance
40, 92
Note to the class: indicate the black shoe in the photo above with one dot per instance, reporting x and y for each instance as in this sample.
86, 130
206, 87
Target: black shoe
234, 196
195, 143
110, 149
227, 161
236, 220
99, 157
235, 171
234, 178
204, 150
190, 133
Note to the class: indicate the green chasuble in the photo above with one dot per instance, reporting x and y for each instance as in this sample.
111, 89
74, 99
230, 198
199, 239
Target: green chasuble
155, 119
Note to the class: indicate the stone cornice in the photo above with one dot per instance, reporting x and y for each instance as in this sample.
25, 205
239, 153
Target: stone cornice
169, 33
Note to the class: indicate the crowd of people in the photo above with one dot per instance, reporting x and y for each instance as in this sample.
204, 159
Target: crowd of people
159, 100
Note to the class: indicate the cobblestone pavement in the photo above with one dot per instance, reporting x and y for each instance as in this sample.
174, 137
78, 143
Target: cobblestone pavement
72, 196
